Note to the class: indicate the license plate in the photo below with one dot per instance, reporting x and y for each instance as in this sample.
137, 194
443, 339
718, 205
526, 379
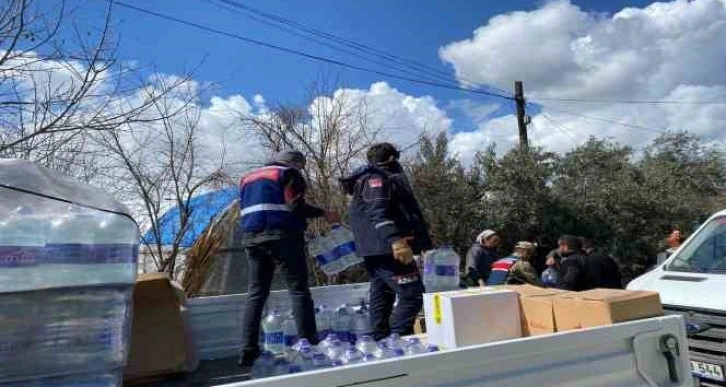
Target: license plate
708, 371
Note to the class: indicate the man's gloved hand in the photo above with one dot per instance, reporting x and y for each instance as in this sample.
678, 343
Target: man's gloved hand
402, 251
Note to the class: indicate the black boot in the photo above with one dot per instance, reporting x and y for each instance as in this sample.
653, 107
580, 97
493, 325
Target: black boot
248, 358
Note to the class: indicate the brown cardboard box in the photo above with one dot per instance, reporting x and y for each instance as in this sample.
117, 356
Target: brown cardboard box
158, 345
536, 308
419, 326
599, 307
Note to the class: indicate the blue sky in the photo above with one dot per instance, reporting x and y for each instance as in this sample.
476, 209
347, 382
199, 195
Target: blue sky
415, 29
584, 49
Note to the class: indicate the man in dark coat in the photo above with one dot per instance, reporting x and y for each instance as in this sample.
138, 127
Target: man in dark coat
572, 266
601, 271
389, 230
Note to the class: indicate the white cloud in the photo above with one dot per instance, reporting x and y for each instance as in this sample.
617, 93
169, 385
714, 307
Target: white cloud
401, 118
665, 51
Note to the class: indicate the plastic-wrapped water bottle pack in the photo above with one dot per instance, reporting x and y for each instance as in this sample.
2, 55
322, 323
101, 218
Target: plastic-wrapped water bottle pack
68, 256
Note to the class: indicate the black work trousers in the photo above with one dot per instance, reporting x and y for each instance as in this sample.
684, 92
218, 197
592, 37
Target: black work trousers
388, 279
289, 253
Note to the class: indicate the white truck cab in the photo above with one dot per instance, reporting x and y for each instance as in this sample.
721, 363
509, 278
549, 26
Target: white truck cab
692, 283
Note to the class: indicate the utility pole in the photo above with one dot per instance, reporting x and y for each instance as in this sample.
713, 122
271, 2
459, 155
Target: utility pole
522, 119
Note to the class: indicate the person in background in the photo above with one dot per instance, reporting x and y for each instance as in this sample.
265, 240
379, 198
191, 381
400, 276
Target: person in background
673, 241
523, 271
553, 259
274, 218
601, 270
481, 256
389, 229
572, 266
502, 268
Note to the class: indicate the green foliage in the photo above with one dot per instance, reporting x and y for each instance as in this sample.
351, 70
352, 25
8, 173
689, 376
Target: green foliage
625, 200
449, 196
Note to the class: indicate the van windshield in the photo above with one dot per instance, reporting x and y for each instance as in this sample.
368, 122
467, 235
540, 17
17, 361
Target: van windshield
706, 252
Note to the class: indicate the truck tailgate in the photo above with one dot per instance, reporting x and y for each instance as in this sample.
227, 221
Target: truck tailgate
628, 354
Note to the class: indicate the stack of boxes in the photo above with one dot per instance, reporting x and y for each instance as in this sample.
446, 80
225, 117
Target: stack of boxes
484, 315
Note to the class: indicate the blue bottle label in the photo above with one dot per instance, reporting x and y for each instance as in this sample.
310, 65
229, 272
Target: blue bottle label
290, 340
274, 338
21, 256
346, 249
446, 270
327, 257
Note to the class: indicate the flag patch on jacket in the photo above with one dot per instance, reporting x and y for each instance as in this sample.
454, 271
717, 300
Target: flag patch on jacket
375, 182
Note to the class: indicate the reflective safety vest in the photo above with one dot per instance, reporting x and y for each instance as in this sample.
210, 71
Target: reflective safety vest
262, 201
500, 270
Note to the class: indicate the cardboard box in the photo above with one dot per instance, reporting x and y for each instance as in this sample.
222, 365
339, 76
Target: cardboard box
599, 307
419, 326
158, 345
470, 317
536, 308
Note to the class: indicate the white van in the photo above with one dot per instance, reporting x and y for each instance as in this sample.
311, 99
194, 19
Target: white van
692, 283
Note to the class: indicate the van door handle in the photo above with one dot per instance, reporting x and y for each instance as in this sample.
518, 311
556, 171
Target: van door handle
671, 351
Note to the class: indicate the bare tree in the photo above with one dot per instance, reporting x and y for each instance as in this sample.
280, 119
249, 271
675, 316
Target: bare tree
332, 129
155, 166
59, 82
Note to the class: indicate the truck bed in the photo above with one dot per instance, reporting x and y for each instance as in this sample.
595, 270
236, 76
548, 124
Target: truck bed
626, 354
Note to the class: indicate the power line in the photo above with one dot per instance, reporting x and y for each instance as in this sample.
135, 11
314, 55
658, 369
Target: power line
632, 101
313, 33
299, 53
561, 128
608, 120
405, 69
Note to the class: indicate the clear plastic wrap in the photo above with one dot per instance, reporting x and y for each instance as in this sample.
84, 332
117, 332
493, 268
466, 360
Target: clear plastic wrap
68, 256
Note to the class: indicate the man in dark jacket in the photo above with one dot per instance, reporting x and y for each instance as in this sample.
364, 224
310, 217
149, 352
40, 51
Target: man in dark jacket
480, 257
572, 266
389, 229
274, 219
601, 271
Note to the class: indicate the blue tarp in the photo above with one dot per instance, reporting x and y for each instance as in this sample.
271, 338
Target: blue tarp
204, 208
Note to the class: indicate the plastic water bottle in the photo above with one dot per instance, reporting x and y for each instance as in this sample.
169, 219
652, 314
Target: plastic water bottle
300, 344
327, 342
368, 358
366, 344
383, 351
345, 245
446, 269
70, 248
326, 255
22, 250
361, 325
281, 366
428, 276
432, 348
273, 331
302, 361
415, 347
263, 366
352, 356
289, 331
550, 277
322, 321
320, 361
336, 351
341, 324
395, 341
115, 248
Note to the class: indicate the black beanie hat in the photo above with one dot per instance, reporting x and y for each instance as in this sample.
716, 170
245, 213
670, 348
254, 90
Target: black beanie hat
382, 153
